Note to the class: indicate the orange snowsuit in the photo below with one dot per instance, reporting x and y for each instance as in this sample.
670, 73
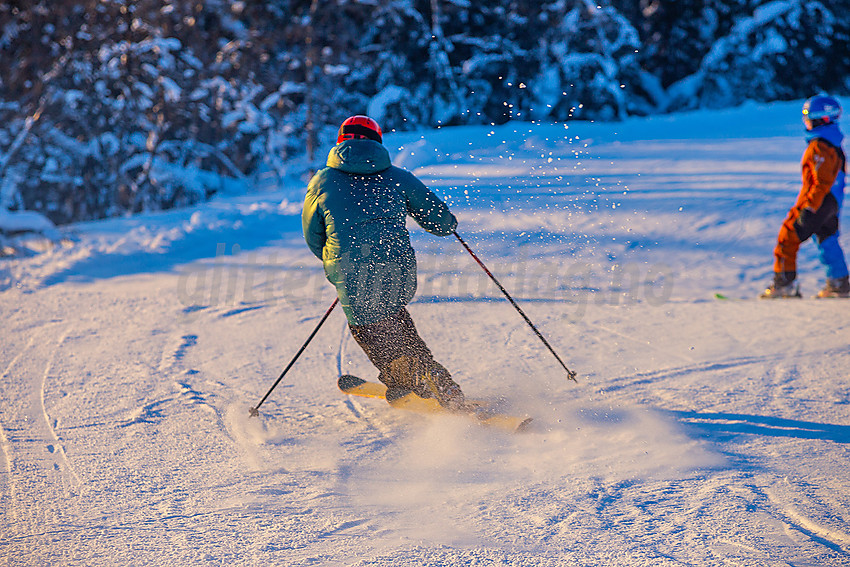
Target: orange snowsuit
821, 165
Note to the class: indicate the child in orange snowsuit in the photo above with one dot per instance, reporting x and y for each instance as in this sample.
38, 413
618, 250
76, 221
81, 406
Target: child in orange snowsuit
818, 205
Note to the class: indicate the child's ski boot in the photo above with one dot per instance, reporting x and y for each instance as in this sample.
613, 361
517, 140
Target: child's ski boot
775, 291
836, 287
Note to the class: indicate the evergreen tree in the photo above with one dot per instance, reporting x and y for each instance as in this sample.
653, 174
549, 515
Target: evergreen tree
116, 106
777, 51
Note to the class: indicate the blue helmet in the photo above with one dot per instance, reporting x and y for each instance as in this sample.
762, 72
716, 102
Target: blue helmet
820, 110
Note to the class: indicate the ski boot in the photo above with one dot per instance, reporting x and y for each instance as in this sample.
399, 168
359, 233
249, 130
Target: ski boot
443, 388
429, 380
836, 287
775, 291
783, 286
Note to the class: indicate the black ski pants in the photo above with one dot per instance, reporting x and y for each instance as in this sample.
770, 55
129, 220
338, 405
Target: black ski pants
395, 348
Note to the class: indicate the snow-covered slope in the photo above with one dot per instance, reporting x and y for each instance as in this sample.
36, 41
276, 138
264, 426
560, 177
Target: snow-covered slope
701, 432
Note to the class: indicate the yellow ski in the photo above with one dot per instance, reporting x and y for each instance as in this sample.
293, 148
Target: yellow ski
358, 387
406, 400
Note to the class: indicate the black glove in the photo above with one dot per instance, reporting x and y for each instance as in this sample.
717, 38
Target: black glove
805, 225
807, 215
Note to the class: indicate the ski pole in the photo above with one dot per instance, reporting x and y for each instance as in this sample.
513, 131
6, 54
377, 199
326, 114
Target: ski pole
254, 411
570, 374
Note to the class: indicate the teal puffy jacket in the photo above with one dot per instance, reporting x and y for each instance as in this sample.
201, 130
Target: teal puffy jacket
354, 220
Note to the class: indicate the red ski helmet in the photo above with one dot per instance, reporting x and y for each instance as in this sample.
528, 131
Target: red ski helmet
359, 127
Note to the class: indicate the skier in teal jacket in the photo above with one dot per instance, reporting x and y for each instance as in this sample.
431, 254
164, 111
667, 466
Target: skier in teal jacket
354, 221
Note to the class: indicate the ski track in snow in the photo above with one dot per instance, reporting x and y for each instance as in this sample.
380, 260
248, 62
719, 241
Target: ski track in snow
701, 432
30, 440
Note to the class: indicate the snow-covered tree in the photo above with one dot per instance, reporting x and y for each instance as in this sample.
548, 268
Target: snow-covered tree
116, 106
721, 53
589, 65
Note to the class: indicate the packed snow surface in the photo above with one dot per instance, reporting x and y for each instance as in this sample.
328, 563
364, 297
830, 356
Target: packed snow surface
701, 431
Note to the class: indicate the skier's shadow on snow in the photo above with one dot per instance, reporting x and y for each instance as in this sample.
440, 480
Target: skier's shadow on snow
736, 423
